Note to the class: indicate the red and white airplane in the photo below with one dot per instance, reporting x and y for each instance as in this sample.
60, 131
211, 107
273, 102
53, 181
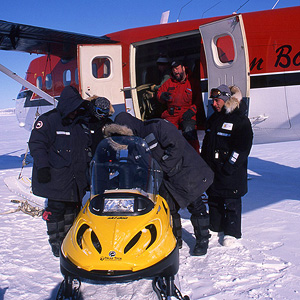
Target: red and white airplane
258, 51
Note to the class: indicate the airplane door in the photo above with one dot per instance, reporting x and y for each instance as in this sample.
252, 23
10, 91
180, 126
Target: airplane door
226, 54
100, 73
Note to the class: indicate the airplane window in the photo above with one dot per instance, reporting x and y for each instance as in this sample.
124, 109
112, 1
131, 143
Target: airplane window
76, 76
101, 67
67, 77
225, 49
48, 81
39, 82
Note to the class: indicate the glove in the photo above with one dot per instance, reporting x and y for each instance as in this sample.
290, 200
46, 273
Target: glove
188, 115
165, 96
148, 95
46, 215
152, 87
44, 175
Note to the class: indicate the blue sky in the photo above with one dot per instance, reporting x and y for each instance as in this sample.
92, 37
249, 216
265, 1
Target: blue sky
102, 17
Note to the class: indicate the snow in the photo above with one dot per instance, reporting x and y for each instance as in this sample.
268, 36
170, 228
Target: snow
265, 264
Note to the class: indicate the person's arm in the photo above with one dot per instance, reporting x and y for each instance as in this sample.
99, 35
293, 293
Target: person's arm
39, 143
162, 94
173, 144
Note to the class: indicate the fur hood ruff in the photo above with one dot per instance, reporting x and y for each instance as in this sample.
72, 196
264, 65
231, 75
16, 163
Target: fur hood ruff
234, 101
116, 129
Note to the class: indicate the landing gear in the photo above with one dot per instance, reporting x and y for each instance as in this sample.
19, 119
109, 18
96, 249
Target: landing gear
165, 288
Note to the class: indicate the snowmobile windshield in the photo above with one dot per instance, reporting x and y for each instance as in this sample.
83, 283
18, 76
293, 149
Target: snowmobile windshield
124, 163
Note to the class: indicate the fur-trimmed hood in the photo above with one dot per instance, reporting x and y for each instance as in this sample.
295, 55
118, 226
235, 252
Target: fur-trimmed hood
234, 101
116, 129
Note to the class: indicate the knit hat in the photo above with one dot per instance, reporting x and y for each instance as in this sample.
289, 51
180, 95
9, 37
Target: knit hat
100, 107
221, 92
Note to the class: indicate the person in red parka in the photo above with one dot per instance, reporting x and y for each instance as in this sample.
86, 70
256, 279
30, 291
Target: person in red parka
177, 93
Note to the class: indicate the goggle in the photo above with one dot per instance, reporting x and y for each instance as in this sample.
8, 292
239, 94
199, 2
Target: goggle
101, 112
215, 93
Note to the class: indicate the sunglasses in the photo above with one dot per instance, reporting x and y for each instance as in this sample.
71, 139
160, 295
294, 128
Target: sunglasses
215, 93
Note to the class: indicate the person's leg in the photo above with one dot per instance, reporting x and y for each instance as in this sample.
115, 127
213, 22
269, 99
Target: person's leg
232, 221
54, 217
71, 212
174, 208
59, 217
216, 214
200, 222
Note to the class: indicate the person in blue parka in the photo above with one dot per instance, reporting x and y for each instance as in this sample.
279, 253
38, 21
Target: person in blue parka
60, 146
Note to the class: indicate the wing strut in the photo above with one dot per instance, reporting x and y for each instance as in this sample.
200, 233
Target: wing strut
27, 84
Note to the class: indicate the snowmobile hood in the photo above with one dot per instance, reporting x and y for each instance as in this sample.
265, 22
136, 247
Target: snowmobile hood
108, 242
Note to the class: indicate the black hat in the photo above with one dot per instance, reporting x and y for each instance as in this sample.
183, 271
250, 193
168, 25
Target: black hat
176, 63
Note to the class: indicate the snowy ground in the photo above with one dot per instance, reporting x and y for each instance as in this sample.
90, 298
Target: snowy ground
265, 265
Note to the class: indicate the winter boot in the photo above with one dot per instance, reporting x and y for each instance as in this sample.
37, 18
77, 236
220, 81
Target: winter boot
177, 229
55, 232
201, 224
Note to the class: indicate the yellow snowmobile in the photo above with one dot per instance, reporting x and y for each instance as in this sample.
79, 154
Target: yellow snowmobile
124, 231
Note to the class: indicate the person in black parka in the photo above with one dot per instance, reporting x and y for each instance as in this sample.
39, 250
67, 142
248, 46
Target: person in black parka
226, 146
186, 175
60, 146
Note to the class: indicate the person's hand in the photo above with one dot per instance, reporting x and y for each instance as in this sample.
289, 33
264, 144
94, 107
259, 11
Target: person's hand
165, 96
188, 115
148, 95
152, 87
44, 175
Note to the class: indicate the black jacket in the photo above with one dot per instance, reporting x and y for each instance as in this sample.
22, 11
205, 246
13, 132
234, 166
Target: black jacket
63, 145
95, 126
226, 146
186, 175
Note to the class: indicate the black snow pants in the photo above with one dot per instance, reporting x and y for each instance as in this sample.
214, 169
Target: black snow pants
225, 215
59, 216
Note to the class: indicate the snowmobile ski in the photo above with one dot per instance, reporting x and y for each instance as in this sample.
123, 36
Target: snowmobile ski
165, 288
69, 289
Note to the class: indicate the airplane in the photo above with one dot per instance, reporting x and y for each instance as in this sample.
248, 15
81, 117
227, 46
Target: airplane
258, 51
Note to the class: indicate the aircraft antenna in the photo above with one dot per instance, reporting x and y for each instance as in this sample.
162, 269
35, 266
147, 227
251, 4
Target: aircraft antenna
182, 8
275, 4
241, 7
210, 8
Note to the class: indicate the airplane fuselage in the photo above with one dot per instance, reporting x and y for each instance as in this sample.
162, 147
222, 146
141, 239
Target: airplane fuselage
270, 68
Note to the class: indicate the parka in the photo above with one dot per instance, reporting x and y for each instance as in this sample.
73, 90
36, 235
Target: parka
63, 145
95, 126
186, 175
226, 147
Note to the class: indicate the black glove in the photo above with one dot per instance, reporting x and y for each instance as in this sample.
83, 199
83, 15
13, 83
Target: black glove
44, 175
188, 115
165, 96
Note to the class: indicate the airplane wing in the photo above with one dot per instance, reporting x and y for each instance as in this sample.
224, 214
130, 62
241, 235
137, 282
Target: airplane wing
32, 39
